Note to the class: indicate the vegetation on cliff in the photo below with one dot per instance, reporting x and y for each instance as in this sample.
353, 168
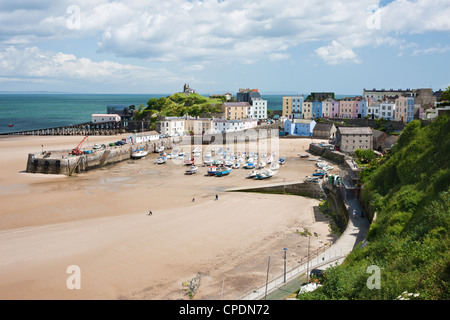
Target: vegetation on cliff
177, 105
409, 242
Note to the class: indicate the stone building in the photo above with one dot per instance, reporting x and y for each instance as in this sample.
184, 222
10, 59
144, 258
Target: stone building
351, 138
324, 130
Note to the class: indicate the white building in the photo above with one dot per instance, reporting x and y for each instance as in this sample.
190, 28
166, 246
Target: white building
143, 137
224, 126
102, 118
172, 126
257, 109
373, 110
387, 109
249, 123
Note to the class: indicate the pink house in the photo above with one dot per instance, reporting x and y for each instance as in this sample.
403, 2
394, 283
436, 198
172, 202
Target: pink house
356, 107
330, 108
346, 108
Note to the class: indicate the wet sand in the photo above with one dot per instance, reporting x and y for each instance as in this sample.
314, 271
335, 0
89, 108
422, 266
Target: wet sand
98, 221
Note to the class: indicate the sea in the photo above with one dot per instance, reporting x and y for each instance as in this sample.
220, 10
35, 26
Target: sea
33, 111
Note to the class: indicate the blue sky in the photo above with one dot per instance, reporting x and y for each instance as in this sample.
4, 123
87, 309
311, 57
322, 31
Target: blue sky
277, 46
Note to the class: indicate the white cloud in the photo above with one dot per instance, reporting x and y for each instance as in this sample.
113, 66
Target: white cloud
32, 63
438, 49
336, 53
222, 31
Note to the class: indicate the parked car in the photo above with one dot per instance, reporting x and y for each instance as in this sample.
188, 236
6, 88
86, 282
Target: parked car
317, 274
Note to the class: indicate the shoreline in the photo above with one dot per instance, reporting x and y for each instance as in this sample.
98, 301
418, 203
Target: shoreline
98, 220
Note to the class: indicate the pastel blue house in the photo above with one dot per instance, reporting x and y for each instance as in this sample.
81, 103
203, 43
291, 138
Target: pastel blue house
297, 103
317, 109
363, 105
299, 127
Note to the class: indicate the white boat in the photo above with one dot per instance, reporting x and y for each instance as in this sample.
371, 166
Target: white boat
250, 165
139, 154
192, 170
265, 174
262, 165
236, 165
189, 162
159, 149
229, 163
252, 174
269, 159
321, 164
161, 160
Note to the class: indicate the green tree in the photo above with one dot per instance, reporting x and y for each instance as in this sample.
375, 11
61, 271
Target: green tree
446, 94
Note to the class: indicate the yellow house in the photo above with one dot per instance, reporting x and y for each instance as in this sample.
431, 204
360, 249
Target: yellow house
198, 125
307, 110
235, 110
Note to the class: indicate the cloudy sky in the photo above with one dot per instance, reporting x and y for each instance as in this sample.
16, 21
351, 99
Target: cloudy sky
277, 46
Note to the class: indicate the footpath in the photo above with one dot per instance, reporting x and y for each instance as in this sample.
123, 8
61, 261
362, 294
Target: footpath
355, 232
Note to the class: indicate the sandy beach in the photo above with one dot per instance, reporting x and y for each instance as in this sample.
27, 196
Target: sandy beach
99, 222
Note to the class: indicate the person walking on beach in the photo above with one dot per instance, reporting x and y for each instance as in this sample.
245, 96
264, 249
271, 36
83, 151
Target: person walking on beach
217, 197
150, 212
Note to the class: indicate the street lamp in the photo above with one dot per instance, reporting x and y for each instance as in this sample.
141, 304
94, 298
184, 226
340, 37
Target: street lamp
285, 250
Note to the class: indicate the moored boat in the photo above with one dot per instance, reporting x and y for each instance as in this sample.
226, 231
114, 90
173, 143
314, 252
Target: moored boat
223, 171
192, 170
265, 174
139, 154
161, 160
212, 171
252, 174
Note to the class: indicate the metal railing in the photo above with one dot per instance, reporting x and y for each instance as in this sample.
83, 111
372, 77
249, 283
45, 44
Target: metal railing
318, 258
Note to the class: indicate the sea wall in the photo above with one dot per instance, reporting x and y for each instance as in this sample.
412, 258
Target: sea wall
334, 156
306, 189
61, 162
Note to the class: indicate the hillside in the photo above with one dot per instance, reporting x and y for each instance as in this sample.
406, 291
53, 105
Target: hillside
410, 193
178, 105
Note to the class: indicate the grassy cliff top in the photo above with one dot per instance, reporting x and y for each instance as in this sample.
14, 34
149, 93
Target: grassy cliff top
409, 241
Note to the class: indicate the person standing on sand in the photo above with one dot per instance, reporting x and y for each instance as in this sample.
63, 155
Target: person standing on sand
150, 212
217, 197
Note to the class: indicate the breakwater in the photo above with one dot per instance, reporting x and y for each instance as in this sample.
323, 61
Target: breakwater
305, 189
62, 162
334, 156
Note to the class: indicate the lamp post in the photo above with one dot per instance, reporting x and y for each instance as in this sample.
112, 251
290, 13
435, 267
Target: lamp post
285, 250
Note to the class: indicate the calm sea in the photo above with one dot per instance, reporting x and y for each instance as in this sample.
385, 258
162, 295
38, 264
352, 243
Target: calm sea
40, 111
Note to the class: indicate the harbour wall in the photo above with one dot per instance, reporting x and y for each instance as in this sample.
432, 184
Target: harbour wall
61, 162
334, 156
305, 189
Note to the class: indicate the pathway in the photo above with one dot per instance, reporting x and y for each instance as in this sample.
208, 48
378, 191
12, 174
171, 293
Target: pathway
355, 232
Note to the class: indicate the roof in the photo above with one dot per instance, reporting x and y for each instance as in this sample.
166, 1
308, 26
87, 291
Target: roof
323, 126
236, 104
355, 130
306, 121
